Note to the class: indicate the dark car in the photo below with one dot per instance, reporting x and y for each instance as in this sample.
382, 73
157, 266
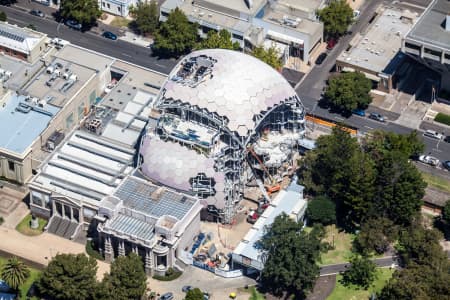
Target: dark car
359, 112
446, 164
37, 13
376, 117
166, 296
109, 35
331, 43
186, 288
321, 58
74, 24
447, 139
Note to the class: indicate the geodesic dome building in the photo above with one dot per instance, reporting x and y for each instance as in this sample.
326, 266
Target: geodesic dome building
216, 107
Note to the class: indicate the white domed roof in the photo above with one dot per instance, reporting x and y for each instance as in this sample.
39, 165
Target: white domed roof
238, 87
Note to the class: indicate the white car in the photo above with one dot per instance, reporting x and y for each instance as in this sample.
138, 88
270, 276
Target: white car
430, 160
433, 134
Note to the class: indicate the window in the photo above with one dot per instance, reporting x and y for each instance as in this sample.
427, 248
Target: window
81, 111
36, 198
103, 3
433, 52
164, 14
107, 4
412, 46
11, 165
69, 121
92, 98
118, 8
237, 36
447, 56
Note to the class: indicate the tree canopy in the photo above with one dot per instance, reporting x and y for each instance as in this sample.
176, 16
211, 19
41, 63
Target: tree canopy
85, 12
362, 272
3, 16
146, 16
376, 235
446, 212
194, 294
349, 91
127, 279
380, 142
270, 56
69, 277
218, 40
176, 36
321, 210
336, 17
291, 256
14, 273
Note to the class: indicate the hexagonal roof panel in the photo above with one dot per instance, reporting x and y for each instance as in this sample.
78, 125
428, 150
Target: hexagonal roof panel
223, 81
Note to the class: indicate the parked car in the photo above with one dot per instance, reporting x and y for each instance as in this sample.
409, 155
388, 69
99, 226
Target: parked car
331, 43
109, 35
37, 13
446, 164
376, 117
166, 296
429, 160
74, 24
359, 112
187, 288
321, 58
447, 139
433, 134
206, 296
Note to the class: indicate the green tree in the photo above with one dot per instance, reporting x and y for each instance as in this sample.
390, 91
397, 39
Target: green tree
176, 36
15, 273
218, 40
446, 212
362, 272
127, 279
376, 235
349, 91
69, 277
194, 294
3, 16
85, 12
321, 210
146, 16
291, 256
270, 56
336, 17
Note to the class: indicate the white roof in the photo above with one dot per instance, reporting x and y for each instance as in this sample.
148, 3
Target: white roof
240, 87
20, 39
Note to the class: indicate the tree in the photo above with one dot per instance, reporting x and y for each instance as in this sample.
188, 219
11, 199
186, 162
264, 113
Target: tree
85, 12
446, 212
176, 36
218, 40
127, 279
349, 91
269, 56
15, 273
69, 277
336, 17
3, 16
321, 210
291, 256
194, 294
146, 16
375, 235
362, 272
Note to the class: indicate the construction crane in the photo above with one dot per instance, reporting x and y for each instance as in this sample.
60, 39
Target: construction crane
269, 188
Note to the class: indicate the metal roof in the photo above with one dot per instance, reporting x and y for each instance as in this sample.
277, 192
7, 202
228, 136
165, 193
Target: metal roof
133, 227
20, 39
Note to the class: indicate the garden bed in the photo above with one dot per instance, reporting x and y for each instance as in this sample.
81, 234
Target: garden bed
25, 228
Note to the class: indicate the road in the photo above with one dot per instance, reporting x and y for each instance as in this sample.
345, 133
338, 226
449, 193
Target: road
337, 268
310, 89
120, 49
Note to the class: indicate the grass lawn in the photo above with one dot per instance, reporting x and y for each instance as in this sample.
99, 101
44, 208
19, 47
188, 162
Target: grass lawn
24, 226
34, 275
351, 293
436, 182
120, 22
259, 296
342, 243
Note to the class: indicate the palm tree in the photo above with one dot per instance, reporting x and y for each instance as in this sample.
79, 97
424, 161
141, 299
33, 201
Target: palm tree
14, 273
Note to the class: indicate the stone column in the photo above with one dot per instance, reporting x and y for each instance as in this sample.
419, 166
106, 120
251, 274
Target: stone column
71, 213
109, 251
135, 249
149, 265
121, 248
63, 210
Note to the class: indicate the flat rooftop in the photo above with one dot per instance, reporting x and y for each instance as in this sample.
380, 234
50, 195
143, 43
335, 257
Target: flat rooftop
304, 25
233, 5
302, 5
430, 29
85, 57
378, 46
22, 122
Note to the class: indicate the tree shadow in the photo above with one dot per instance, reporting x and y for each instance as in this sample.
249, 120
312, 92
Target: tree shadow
442, 226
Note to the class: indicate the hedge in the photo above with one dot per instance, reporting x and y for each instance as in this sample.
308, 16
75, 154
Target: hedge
171, 274
442, 118
90, 250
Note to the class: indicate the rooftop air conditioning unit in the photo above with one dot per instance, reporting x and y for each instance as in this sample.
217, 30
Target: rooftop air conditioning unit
50, 69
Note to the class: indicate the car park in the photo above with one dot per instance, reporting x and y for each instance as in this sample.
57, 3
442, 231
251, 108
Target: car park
376, 117
446, 164
109, 35
37, 13
74, 24
433, 134
429, 160
359, 112
321, 58
166, 296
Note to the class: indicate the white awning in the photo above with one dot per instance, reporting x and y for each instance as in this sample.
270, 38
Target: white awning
348, 69
372, 77
284, 38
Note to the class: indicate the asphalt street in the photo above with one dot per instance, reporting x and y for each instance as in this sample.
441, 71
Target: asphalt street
337, 268
120, 49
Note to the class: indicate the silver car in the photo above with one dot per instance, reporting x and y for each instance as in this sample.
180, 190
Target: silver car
429, 160
433, 134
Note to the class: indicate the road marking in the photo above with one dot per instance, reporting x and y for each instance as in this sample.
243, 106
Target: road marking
371, 128
339, 118
127, 55
159, 65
